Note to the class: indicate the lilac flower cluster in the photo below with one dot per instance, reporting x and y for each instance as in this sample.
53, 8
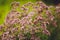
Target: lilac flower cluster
17, 24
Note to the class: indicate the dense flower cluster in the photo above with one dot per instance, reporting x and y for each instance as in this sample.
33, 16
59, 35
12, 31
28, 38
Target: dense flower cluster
32, 18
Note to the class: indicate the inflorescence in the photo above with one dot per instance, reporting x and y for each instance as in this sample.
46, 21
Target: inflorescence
31, 19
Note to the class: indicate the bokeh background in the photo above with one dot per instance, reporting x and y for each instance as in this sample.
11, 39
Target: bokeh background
5, 7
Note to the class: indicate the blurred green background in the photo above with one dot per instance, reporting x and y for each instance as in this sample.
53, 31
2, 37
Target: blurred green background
5, 7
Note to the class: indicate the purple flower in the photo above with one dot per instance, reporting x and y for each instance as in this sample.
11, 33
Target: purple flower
54, 23
58, 9
46, 32
43, 26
